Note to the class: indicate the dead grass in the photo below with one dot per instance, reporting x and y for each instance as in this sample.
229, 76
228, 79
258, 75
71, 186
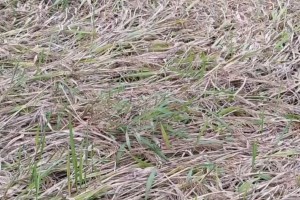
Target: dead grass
149, 99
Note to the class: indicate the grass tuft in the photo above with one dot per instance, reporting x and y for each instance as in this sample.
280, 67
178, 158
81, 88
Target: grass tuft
149, 99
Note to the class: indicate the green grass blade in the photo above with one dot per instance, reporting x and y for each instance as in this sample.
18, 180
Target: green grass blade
165, 136
80, 170
141, 163
91, 194
120, 153
127, 140
69, 173
73, 154
153, 147
254, 154
149, 183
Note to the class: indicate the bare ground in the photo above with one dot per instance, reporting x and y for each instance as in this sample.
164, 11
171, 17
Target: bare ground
150, 99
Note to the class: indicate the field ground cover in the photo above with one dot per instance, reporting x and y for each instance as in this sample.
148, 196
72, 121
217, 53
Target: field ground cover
150, 99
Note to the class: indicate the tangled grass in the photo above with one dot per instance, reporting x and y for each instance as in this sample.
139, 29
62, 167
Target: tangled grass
149, 99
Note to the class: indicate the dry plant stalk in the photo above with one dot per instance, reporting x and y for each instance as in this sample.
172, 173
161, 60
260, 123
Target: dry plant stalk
149, 99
